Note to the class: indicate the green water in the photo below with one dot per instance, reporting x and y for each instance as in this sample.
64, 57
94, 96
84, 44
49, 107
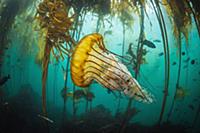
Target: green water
23, 70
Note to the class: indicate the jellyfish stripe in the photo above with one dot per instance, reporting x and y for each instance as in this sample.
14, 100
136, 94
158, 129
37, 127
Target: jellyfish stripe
143, 95
103, 69
111, 73
107, 58
90, 75
96, 69
88, 49
116, 75
116, 85
107, 63
103, 55
92, 61
100, 79
87, 77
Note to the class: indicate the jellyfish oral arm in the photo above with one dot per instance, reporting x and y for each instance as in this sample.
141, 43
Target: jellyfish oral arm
92, 61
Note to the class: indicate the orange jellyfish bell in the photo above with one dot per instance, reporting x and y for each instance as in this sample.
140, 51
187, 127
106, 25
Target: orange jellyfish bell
92, 61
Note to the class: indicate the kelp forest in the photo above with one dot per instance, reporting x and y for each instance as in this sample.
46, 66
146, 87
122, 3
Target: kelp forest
99, 66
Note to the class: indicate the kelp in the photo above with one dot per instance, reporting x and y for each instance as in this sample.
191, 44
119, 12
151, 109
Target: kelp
99, 8
178, 77
27, 35
9, 10
196, 117
138, 62
40, 47
194, 8
55, 82
180, 12
53, 16
74, 104
140, 40
80, 8
123, 10
160, 18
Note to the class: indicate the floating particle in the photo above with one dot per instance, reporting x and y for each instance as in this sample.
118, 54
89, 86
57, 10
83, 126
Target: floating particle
174, 63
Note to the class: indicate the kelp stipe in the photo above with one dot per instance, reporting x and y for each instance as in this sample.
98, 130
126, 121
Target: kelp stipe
162, 25
179, 74
138, 63
52, 17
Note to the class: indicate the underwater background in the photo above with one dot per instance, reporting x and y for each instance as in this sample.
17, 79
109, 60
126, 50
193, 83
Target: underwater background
157, 40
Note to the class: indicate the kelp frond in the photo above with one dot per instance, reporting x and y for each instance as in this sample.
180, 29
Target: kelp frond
180, 15
53, 17
124, 11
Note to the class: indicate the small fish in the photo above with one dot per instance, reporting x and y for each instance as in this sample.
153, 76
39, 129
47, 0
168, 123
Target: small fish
192, 62
149, 44
45, 118
156, 40
174, 63
191, 106
183, 53
161, 54
188, 59
4, 80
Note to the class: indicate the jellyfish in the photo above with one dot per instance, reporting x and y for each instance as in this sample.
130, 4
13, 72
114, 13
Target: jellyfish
92, 61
